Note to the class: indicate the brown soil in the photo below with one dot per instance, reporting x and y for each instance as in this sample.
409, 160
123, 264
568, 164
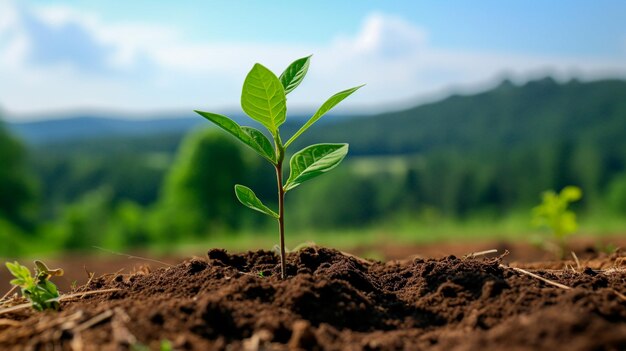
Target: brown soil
521, 252
334, 301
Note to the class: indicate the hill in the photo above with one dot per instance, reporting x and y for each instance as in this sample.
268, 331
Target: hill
508, 116
84, 127
494, 151
541, 111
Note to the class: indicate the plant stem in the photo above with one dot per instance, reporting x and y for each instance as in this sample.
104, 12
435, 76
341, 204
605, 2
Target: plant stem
281, 216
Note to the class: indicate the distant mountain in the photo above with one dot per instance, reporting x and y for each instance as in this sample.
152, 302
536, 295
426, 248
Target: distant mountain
494, 150
80, 127
508, 116
88, 127
541, 111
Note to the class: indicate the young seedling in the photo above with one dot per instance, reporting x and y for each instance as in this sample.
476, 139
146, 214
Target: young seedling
264, 99
165, 345
38, 289
553, 213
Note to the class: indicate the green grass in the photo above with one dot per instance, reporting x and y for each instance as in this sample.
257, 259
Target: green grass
405, 230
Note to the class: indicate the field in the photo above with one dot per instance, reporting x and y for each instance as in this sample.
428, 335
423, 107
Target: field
337, 300
440, 231
154, 155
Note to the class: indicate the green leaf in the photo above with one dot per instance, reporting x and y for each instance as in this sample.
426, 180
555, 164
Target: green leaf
294, 74
571, 193
327, 106
313, 161
568, 223
42, 269
13, 268
18, 271
247, 197
51, 289
262, 141
248, 135
19, 282
263, 98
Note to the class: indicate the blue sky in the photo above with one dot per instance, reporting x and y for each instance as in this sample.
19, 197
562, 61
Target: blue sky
145, 56
576, 27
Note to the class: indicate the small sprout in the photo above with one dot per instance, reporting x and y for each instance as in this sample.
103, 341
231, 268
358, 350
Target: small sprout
264, 99
43, 271
38, 289
165, 345
553, 212
261, 274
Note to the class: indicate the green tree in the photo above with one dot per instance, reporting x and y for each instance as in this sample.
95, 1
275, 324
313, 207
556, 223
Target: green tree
197, 196
13, 240
84, 223
345, 200
17, 187
127, 228
616, 194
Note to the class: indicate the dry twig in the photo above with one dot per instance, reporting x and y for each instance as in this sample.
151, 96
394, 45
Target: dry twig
81, 294
15, 308
545, 280
121, 334
93, 321
360, 259
568, 267
619, 294
59, 299
480, 253
68, 321
8, 322
9, 293
133, 257
576, 259
90, 276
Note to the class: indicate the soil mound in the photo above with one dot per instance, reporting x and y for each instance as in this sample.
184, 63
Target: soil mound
334, 301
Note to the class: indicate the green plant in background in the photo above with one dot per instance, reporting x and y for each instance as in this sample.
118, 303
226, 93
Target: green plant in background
264, 99
165, 345
38, 289
553, 212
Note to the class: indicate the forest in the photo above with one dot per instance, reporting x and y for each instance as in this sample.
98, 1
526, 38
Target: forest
481, 156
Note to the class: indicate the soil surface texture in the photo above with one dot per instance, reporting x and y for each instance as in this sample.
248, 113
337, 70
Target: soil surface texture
336, 301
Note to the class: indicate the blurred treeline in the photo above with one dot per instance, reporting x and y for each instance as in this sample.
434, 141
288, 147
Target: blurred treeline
485, 155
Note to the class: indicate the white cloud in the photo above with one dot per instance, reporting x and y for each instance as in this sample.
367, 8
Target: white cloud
385, 35
55, 58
